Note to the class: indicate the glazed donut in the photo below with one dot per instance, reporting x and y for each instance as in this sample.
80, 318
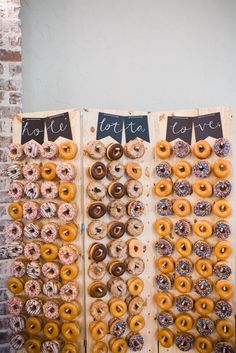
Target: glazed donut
222, 147
135, 285
222, 230
116, 190
31, 172
31, 149
96, 149
116, 209
133, 170
135, 305
99, 310
32, 251
117, 287
97, 289
98, 330
69, 272
134, 227
99, 347
134, 188
97, 230
70, 331
96, 210
222, 188
48, 209
49, 251
203, 344
202, 188
203, 229
116, 268
183, 322
204, 305
165, 337
201, 169
225, 328
15, 191
184, 341
14, 230
163, 188
67, 191
15, 285
15, 152
114, 151
97, 252
202, 149
181, 207
163, 170
181, 149
182, 169
163, 247
224, 289
204, 267
163, 149
184, 303
165, 319
202, 208
203, 287
65, 171
97, 171
49, 232
15, 210
163, 227
222, 250
164, 282
49, 150
135, 209
221, 168
183, 246
117, 327
14, 171
222, 270
135, 266
116, 229
48, 171
68, 254
51, 330
115, 170
69, 311
222, 208
183, 228
136, 323
165, 264
96, 190
134, 149
33, 325
67, 150
164, 300
118, 344
183, 284
117, 307
68, 231
165, 207
223, 309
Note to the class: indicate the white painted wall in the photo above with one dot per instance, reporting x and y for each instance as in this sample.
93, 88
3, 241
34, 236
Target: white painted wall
128, 54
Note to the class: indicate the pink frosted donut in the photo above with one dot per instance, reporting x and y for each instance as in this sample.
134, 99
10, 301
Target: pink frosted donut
18, 268
31, 211
51, 310
68, 254
32, 288
16, 190
49, 150
33, 269
32, 251
48, 209
67, 212
14, 230
69, 292
31, 149
65, 171
15, 152
50, 270
32, 231
49, 232
15, 305
31, 172
32, 190
49, 190
34, 307
51, 288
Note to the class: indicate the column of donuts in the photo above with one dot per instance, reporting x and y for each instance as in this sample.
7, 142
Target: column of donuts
114, 243
194, 250
45, 306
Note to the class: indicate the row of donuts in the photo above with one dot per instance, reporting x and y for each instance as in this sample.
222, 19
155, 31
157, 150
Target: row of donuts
49, 150
97, 191
201, 149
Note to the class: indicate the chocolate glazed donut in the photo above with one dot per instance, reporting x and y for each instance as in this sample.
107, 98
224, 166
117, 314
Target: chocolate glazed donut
97, 289
116, 190
98, 171
114, 151
97, 210
116, 268
98, 252
116, 229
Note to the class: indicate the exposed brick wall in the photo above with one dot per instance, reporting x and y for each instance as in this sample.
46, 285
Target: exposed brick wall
10, 58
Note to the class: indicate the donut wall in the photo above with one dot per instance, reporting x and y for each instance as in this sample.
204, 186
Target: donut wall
121, 232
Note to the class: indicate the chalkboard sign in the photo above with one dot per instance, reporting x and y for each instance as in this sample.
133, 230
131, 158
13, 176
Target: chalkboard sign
136, 126
58, 126
32, 129
208, 126
109, 125
179, 127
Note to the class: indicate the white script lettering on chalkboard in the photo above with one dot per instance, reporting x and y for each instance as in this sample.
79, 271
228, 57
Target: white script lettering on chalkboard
62, 127
210, 125
182, 130
105, 126
134, 129
34, 132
